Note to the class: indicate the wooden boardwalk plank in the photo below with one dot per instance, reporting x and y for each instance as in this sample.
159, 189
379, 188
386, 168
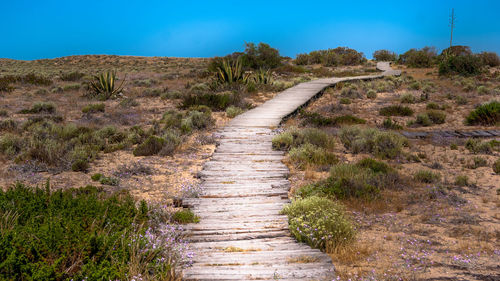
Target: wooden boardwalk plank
245, 187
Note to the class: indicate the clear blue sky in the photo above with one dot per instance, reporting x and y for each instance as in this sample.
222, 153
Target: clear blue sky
50, 28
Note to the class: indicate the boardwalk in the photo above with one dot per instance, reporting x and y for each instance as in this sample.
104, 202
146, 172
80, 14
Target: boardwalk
241, 234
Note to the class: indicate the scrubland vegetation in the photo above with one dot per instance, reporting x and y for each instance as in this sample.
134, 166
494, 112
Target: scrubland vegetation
430, 204
139, 129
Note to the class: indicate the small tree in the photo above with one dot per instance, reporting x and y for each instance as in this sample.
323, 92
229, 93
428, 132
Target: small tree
384, 55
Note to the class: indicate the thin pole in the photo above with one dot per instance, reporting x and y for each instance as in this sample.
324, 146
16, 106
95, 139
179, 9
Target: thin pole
452, 25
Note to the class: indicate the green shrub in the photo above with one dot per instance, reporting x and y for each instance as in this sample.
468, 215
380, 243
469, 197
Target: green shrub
216, 101
414, 85
294, 137
308, 154
97, 176
391, 125
384, 55
436, 117
94, 108
72, 76
151, 146
364, 179
80, 165
396, 110
71, 87
407, 98
461, 100
82, 233
424, 57
40, 107
423, 120
5, 84
348, 120
109, 181
8, 125
261, 56
496, 166
320, 223
462, 180
487, 114
185, 216
196, 120
477, 162
129, 102
331, 57
350, 92
477, 146
433, 106
489, 58
426, 176
465, 65
345, 101
233, 111
371, 94
380, 143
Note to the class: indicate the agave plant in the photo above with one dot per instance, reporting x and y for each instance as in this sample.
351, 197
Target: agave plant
231, 72
104, 85
263, 76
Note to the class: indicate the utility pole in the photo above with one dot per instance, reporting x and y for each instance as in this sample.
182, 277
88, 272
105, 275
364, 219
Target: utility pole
452, 24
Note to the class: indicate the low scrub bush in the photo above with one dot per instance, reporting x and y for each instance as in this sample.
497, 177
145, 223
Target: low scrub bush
351, 93
496, 166
396, 110
8, 125
216, 101
40, 107
380, 143
431, 117
294, 137
433, 106
185, 216
371, 94
391, 125
462, 180
426, 176
477, 162
72, 76
233, 111
316, 119
477, 146
345, 101
407, 98
364, 179
320, 222
71, 87
94, 108
84, 233
151, 146
309, 154
487, 114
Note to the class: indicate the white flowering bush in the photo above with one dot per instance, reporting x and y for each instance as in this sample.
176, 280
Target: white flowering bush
319, 222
